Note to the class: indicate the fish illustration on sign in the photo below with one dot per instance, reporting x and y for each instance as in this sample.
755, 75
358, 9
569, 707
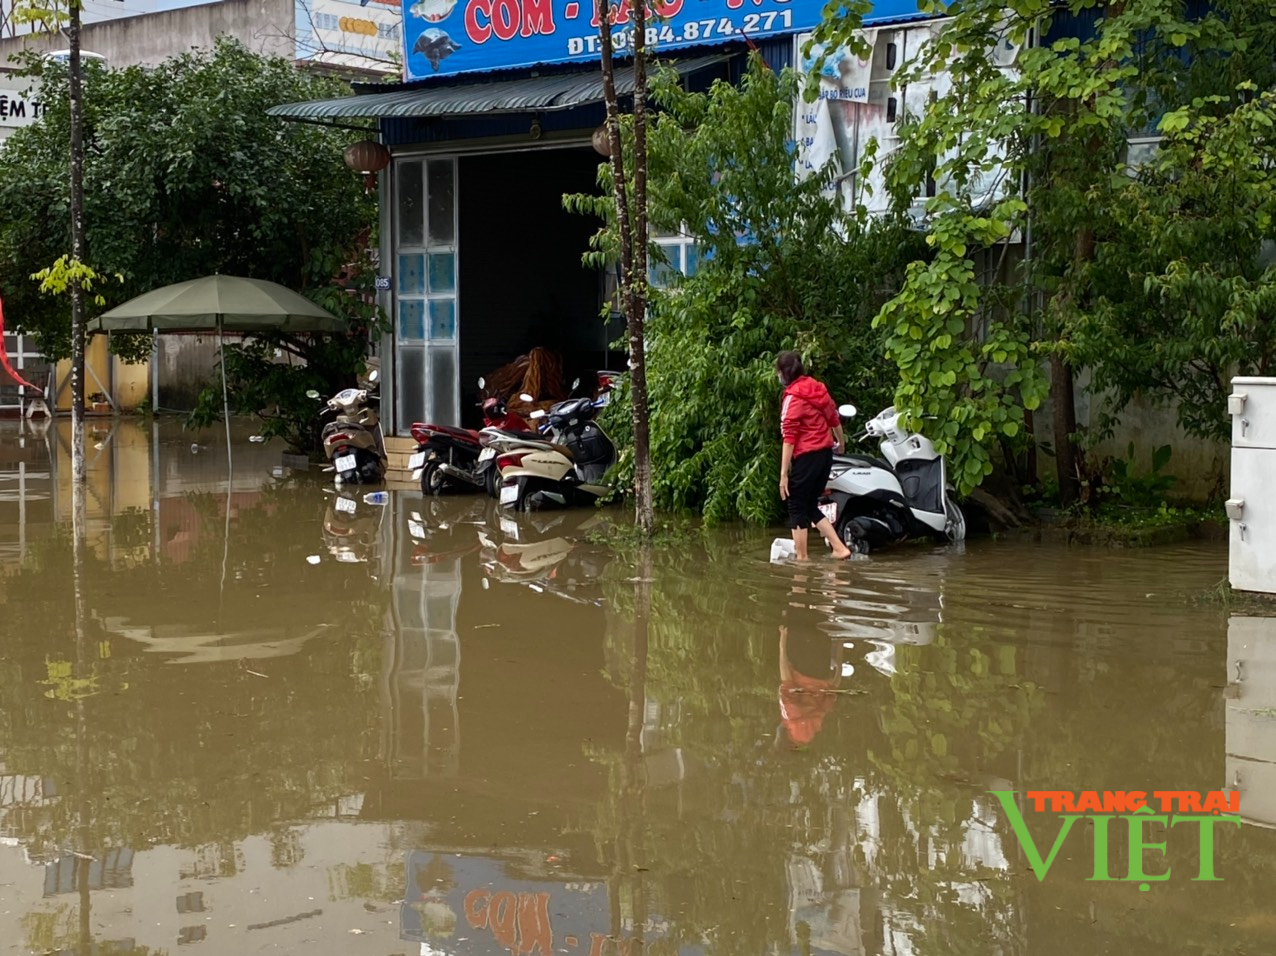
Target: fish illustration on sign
432, 11
436, 46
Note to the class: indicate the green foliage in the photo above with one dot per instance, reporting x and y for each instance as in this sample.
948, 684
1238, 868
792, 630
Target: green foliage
804, 277
185, 176
1189, 291
1152, 282
274, 388
59, 278
1149, 489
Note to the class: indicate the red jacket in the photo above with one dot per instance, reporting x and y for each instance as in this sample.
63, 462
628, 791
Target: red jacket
808, 416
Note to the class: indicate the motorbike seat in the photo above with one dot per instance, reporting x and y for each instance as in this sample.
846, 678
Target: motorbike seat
465, 434
506, 433
534, 440
862, 461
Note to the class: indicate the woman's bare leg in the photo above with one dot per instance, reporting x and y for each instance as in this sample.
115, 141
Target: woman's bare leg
799, 544
840, 550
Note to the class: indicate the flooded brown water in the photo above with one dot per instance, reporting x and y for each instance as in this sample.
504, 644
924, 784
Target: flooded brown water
283, 728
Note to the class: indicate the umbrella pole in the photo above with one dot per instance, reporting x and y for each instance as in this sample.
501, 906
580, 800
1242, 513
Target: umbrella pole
221, 351
230, 469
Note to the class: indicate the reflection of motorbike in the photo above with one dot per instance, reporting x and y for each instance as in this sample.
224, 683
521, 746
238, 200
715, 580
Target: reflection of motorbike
351, 531
908, 610
544, 555
442, 533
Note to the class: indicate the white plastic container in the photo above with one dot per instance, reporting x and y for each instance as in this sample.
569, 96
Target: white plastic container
781, 550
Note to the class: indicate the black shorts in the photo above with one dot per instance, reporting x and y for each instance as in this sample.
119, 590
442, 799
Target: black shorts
808, 477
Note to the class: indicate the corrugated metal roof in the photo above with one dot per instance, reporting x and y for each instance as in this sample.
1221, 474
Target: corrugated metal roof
535, 93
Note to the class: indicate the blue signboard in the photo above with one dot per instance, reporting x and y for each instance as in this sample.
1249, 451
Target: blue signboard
447, 37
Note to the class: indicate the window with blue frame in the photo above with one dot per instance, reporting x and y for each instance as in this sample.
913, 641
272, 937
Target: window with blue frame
681, 257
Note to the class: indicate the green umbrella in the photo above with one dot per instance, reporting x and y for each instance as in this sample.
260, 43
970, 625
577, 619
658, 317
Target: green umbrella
219, 303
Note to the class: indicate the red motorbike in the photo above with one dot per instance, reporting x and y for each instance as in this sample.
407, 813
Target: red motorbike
447, 458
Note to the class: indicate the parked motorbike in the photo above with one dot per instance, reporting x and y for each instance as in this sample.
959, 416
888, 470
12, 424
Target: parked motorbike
607, 382
497, 440
353, 441
875, 502
448, 457
566, 466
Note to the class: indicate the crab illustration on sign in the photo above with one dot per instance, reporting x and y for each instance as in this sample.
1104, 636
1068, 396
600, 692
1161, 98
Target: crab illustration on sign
436, 46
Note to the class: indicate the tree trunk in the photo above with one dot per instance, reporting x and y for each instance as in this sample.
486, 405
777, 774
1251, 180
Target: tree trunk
631, 224
637, 313
77, 246
1063, 396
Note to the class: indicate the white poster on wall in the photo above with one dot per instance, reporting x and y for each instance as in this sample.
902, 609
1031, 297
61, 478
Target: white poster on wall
19, 103
366, 35
828, 127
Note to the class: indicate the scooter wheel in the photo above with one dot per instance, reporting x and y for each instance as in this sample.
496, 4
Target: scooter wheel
852, 536
433, 481
955, 526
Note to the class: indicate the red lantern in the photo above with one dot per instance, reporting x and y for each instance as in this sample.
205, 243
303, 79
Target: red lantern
368, 157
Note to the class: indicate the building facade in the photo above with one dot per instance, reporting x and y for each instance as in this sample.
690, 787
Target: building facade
491, 126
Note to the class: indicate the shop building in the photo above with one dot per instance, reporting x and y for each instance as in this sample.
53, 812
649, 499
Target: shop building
491, 126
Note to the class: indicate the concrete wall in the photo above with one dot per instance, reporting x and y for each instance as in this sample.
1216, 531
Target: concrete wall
1200, 466
264, 26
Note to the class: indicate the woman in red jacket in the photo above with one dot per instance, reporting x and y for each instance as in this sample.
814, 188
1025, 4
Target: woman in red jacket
812, 431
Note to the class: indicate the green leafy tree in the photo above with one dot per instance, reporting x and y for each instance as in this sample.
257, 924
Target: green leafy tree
1039, 147
1189, 293
74, 274
187, 176
780, 267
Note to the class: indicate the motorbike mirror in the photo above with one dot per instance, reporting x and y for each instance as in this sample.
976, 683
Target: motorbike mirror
526, 398
539, 413
311, 393
482, 382
575, 385
847, 411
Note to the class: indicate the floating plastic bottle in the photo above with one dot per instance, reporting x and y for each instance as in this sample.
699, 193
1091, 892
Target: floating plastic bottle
376, 498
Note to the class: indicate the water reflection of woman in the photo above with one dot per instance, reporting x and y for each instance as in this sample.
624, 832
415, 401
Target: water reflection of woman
805, 701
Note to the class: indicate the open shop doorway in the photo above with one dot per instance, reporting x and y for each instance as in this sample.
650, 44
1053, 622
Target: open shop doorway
523, 285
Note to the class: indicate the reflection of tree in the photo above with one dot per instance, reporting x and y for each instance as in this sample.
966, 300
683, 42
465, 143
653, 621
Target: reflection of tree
203, 753
877, 826
958, 708
724, 833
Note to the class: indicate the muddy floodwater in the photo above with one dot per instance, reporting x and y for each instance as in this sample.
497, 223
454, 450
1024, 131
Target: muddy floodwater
262, 720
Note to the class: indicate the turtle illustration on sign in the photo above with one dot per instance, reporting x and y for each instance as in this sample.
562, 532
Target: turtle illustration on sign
436, 46
433, 11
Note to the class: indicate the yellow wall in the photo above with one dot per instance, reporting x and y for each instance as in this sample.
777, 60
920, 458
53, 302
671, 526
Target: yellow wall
127, 384
119, 474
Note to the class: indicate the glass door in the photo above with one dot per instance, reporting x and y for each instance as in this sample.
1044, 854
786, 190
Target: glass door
427, 387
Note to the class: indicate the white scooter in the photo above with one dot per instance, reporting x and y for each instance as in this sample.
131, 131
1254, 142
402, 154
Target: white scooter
875, 502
